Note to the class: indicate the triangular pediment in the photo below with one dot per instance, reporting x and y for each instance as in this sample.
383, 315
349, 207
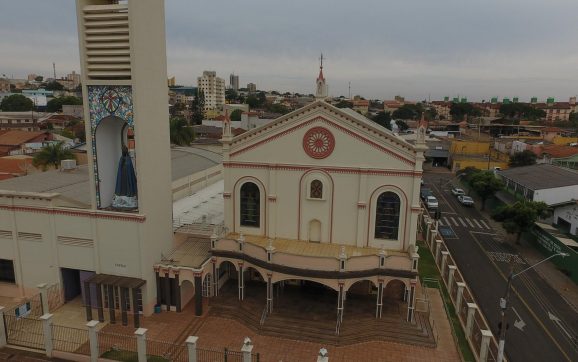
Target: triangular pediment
305, 136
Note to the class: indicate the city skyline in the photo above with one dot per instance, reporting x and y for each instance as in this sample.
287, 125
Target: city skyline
417, 50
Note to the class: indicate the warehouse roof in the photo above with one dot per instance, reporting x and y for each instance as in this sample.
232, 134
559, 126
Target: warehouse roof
543, 176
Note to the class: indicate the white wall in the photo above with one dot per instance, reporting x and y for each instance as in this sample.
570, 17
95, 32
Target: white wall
557, 195
568, 213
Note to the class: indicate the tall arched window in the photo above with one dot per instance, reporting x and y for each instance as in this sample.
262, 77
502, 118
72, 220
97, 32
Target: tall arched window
250, 205
316, 189
387, 216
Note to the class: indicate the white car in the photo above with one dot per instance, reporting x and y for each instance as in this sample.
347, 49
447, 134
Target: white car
457, 192
466, 200
431, 202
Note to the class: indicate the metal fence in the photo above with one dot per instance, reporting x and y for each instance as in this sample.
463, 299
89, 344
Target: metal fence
222, 355
55, 298
117, 347
167, 350
24, 331
69, 339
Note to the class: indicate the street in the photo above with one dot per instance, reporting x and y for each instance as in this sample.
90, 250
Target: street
541, 325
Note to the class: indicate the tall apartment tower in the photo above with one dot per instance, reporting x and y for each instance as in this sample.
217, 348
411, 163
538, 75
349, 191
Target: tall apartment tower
124, 81
234, 82
214, 89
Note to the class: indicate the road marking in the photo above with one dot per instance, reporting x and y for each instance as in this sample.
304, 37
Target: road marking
462, 221
446, 221
505, 257
469, 222
554, 340
483, 233
454, 221
520, 322
486, 225
477, 223
557, 320
440, 223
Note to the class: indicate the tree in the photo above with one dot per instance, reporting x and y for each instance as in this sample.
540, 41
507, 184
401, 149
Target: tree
521, 110
524, 158
408, 111
344, 104
230, 94
252, 101
55, 104
383, 119
485, 184
520, 216
401, 125
198, 108
16, 103
236, 115
51, 155
180, 132
460, 110
277, 108
54, 85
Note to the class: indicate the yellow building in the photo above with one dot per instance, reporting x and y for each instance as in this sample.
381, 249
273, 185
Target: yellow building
468, 153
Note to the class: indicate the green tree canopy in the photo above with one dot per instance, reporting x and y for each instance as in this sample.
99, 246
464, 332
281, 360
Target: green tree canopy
344, 104
230, 94
460, 110
383, 119
236, 115
16, 103
524, 158
180, 132
408, 111
401, 125
54, 85
485, 184
51, 155
520, 216
55, 104
521, 110
198, 108
252, 101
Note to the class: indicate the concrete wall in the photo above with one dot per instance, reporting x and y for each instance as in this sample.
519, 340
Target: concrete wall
557, 195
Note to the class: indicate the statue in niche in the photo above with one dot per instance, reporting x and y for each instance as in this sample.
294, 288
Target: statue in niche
125, 192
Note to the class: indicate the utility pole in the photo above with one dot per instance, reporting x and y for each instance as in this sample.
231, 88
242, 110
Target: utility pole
350, 90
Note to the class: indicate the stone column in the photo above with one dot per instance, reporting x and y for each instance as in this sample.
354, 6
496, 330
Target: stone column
472, 307
198, 294
88, 301
192, 348
485, 345
241, 282
459, 296
428, 231
141, 344
269, 294
451, 271
3, 340
323, 355
443, 263
411, 302
438, 245
379, 298
247, 349
433, 238
99, 307
93, 339
43, 289
47, 329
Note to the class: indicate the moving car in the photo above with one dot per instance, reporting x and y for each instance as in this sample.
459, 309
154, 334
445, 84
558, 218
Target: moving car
457, 191
431, 202
424, 193
466, 200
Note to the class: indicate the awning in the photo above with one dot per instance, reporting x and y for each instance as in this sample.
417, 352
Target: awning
116, 280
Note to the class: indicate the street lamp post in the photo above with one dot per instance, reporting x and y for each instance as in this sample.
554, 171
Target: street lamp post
505, 301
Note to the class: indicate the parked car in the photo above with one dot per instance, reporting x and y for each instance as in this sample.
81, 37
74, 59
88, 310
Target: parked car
466, 200
431, 202
424, 193
457, 191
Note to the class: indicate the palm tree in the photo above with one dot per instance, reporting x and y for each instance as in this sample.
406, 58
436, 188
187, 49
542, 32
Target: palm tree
181, 133
51, 155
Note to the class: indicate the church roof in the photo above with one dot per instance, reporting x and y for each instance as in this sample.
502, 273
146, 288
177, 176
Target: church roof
320, 77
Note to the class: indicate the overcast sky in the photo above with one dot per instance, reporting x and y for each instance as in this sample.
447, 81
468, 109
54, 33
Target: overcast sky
415, 48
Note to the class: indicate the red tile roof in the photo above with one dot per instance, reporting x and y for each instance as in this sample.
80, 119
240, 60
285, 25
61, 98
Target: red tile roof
16, 138
13, 166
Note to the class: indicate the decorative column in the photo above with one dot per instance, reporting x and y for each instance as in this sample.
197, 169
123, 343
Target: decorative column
485, 344
87, 301
47, 329
198, 294
192, 348
241, 282
247, 349
323, 355
99, 307
411, 301
438, 245
178, 290
472, 307
269, 293
379, 298
443, 263
342, 259
141, 344
270, 251
93, 339
451, 271
459, 296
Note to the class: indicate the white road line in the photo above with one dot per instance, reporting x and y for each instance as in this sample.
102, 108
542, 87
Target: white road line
462, 221
469, 222
446, 221
477, 223
486, 225
454, 220
440, 223
483, 233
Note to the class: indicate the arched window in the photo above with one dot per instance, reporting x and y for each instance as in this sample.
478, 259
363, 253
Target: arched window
387, 216
316, 189
250, 205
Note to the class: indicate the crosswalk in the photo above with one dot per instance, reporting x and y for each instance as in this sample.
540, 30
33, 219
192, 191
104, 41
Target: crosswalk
465, 222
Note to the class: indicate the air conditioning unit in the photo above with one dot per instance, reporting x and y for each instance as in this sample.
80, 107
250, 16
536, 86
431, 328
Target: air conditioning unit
66, 165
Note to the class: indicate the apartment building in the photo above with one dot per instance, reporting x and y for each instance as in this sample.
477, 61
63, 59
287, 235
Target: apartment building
213, 88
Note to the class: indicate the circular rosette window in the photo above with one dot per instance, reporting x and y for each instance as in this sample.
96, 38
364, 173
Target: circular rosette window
318, 142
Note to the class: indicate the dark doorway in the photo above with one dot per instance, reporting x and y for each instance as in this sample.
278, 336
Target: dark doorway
71, 282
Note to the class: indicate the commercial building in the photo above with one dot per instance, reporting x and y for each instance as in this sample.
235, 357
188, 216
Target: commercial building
251, 87
234, 82
213, 89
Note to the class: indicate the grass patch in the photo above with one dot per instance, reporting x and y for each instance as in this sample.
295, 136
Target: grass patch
127, 356
428, 269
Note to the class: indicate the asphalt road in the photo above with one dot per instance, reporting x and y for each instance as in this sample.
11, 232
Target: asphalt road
542, 326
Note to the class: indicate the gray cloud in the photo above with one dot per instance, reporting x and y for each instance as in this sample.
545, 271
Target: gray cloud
416, 48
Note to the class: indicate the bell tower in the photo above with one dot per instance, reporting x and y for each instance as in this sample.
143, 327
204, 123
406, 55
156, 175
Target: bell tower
124, 86
321, 89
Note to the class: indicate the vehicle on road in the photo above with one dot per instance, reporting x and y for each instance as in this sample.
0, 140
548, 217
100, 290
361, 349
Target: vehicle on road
431, 202
466, 200
424, 193
457, 191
